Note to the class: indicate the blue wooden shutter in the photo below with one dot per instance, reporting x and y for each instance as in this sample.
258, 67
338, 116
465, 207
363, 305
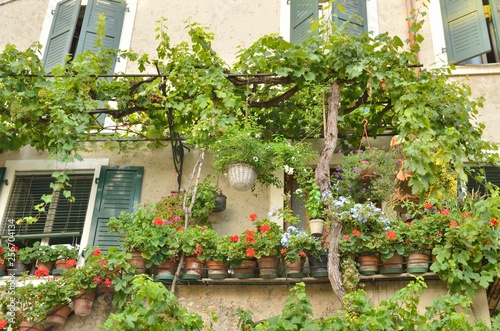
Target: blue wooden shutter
61, 33
354, 12
303, 12
465, 29
119, 188
114, 11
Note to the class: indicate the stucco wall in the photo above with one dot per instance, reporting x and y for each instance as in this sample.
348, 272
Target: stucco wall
266, 301
22, 22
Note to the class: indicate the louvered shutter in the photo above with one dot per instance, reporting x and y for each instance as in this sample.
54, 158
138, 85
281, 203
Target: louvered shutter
61, 33
114, 11
465, 29
119, 189
492, 175
495, 16
303, 12
64, 220
354, 13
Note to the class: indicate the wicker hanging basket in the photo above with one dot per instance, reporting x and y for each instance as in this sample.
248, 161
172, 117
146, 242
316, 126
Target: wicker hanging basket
241, 176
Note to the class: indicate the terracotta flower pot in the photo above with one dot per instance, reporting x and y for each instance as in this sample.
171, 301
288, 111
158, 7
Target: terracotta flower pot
138, 262
45, 265
216, 269
418, 263
30, 326
246, 269
58, 316
193, 268
393, 265
368, 264
82, 304
268, 266
295, 269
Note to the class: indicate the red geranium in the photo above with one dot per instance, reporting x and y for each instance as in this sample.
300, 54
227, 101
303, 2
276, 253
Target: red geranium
3, 323
356, 232
96, 252
494, 222
391, 235
302, 254
453, 224
346, 237
265, 228
70, 263
158, 221
41, 272
283, 251
428, 205
445, 212
253, 217
102, 262
250, 252
234, 238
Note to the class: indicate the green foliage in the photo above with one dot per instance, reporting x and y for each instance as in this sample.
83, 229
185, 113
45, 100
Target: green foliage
267, 238
150, 306
204, 202
42, 253
299, 243
199, 241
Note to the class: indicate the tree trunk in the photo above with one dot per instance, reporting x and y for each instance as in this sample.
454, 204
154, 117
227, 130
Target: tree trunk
322, 176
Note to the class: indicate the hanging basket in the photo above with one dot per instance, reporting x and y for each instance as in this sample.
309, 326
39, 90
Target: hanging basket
241, 176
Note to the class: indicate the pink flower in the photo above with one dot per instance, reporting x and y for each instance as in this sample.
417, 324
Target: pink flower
347, 237
107, 282
98, 280
102, 262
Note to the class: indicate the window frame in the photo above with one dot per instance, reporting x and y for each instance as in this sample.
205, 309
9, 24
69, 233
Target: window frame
16, 167
125, 37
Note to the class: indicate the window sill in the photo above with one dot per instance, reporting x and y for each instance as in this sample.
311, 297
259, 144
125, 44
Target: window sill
476, 70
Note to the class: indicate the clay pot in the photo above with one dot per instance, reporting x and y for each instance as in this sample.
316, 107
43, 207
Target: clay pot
138, 262
246, 269
295, 269
393, 265
58, 316
82, 304
268, 266
193, 268
418, 263
368, 264
216, 269
30, 326
45, 265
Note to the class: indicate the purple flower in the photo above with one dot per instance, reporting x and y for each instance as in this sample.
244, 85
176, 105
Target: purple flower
356, 170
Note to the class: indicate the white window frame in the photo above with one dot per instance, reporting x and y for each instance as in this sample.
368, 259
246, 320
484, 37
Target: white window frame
125, 37
16, 167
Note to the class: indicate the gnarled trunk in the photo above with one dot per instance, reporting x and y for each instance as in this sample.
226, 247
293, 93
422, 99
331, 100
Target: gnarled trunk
322, 176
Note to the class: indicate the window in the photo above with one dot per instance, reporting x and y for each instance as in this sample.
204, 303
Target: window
74, 28
63, 221
303, 12
471, 30
490, 174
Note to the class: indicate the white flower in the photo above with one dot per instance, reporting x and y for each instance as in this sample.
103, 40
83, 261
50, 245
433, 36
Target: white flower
298, 191
288, 170
257, 135
255, 158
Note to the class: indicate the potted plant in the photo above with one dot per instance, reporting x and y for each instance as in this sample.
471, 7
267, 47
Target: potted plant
31, 310
391, 245
170, 208
296, 245
4, 260
314, 203
67, 256
204, 202
267, 247
242, 154
44, 255
366, 175
241, 254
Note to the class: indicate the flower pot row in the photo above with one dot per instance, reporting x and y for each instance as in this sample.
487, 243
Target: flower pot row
264, 267
415, 263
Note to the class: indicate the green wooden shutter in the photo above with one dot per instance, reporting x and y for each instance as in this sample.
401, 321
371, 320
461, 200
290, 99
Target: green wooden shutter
491, 174
114, 11
61, 33
303, 12
354, 12
465, 29
495, 17
119, 188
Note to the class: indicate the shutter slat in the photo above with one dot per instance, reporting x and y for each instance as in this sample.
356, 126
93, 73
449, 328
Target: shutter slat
119, 190
61, 33
68, 216
303, 13
465, 29
354, 13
